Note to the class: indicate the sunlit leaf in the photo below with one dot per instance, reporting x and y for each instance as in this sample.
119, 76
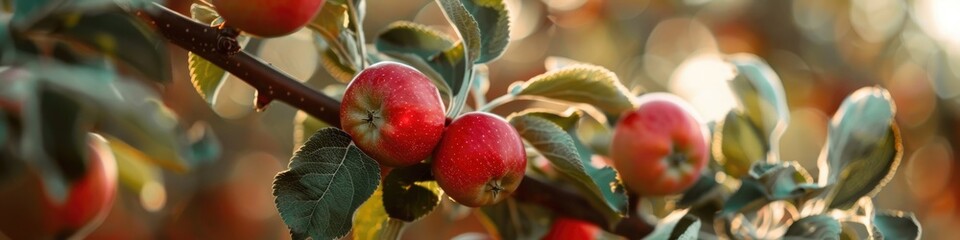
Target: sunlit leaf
587, 84
494, 24
206, 77
466, 25
407, 195
558, 147
335, 26
897, 225
863, 147
761, 96
370, 217
329, 178
134, 168
740, 144
336, 68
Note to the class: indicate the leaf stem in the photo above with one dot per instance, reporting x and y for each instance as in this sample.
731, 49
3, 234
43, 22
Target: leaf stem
497, 102
478, 97
392, 229
460, 99
358, 26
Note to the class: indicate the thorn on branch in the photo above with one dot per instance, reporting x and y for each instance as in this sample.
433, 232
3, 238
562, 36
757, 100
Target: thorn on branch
261, 101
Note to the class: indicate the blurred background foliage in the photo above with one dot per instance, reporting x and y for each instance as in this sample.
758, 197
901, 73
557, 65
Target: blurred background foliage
822, 50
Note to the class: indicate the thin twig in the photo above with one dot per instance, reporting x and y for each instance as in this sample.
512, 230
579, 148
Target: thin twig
270, 82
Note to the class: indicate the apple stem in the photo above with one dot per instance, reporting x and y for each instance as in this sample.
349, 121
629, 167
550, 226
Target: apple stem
264, 77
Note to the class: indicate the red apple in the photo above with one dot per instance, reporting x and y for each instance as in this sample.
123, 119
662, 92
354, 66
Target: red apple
268, 18
569, 228
480, 160
660, 148
91, 197
393, 113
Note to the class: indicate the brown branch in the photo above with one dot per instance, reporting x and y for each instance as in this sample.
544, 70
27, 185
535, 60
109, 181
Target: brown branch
213, 44
271, 83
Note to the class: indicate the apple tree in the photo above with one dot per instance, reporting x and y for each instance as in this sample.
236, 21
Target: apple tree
403, 136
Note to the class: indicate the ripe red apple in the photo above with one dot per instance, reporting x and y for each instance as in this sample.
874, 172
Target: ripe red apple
660, 148
480, 160
91, 197
268, 18
393, 113
569, 228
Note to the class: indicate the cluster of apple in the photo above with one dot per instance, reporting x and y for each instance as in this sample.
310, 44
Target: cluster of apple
394, 114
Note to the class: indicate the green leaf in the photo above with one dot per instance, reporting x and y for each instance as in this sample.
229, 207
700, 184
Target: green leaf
466, 25
814, 227
204, 147
422, 46
329, 178
558, 147
4, 128
413, 38
606, 177
856, 230
407, 195
517, 220
342, 71
450, 65
494, 24
124, 109
370, 217
334, 24
304, 125
114, 33
740, 144
897, 225
700, 191
768, 182
25, 11
587, 84
206, 77
553, 63
761, 97
595, 135
566, 120
203, 14
863, 147
677, 225
55, 135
